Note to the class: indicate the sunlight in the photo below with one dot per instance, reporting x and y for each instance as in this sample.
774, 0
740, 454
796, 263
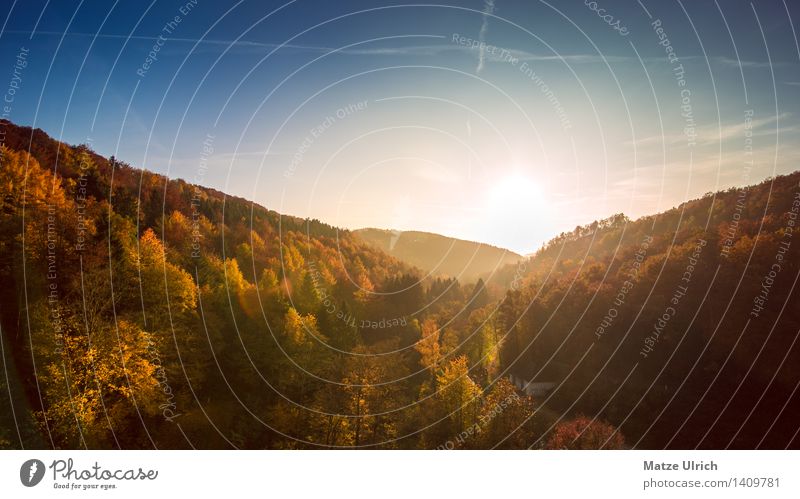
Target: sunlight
514, 195
515, 212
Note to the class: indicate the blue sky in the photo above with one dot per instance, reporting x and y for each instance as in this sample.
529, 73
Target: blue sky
372, 113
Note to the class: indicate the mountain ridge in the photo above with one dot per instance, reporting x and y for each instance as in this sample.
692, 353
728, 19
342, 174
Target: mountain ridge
333, 342
441, 255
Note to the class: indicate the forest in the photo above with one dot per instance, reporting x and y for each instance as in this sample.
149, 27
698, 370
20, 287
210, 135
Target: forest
140, 312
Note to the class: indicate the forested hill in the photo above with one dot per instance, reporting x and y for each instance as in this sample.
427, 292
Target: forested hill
685, 320
140, 312
440, 255
160, 196
199, 290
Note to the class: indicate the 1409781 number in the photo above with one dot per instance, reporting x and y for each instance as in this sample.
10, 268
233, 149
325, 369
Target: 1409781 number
753, 482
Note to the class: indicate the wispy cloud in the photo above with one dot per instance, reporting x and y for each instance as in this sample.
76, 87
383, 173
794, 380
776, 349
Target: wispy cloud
651, 188
727, 61
423, 50
712, 134
730, 166
212, 45
488, 10
569, 58
206, 42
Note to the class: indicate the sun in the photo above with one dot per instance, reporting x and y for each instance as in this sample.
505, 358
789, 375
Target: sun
514, 194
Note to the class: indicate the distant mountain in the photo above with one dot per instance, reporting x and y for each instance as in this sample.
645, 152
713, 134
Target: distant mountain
441, 255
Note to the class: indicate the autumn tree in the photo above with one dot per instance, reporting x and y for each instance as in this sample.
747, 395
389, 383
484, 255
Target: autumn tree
458, 395
506, 418
100, 386
584, 433
428, 345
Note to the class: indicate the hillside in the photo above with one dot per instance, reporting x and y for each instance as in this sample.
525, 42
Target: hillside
680, 326
203, 291
440, 255
138, 311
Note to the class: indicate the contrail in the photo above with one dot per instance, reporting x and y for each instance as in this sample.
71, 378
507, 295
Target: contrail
488, 9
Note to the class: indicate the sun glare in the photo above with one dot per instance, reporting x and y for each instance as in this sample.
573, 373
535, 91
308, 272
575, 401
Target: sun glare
514, 194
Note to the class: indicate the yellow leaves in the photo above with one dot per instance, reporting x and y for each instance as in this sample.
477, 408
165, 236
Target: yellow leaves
50, 218
233, 276
428, 346
365, 287
268, 281
166, 288
180, 233
455, 376
459, 395
301, 329
324, 275
101, 378
151, 251
291, 259
22, 178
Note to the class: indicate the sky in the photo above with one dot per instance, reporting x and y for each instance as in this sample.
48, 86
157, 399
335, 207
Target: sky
391, 115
